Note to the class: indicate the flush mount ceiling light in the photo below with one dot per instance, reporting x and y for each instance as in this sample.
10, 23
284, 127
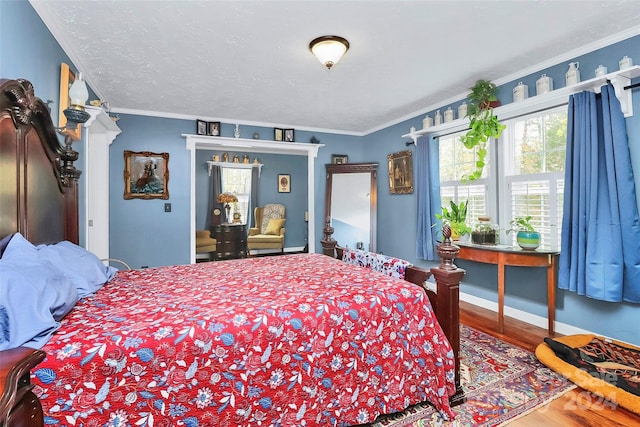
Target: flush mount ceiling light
329, 49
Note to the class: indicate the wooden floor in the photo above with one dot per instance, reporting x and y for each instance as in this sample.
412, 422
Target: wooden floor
577, 408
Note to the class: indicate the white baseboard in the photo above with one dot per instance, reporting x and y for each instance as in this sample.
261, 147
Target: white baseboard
532, 319
270, 251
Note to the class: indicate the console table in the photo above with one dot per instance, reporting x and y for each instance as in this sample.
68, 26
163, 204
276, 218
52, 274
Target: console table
231, 241
502, 255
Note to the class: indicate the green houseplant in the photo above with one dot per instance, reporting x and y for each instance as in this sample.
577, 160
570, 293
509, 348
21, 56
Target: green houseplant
528, 238
456, 216
483, 123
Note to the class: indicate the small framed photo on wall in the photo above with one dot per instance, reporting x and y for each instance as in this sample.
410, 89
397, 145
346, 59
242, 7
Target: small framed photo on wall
278, 134
289, 135
214, 128
339, 159
201, 127
284, 183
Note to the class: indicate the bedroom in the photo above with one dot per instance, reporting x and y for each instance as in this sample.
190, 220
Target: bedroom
148, 217
573, 311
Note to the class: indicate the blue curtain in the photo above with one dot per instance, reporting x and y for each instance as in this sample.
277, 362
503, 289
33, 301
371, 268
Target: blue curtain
427, 181
600, 255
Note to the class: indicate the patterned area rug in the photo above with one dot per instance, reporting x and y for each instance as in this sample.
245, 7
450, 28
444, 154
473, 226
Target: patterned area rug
501, 382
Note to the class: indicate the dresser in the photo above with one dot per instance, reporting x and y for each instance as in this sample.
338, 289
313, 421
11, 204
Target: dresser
232, 241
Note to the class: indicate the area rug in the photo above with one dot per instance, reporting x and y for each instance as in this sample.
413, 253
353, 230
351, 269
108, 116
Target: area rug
604, 367
501, 382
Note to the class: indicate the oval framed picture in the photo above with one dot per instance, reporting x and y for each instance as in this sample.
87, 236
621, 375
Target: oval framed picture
284, 183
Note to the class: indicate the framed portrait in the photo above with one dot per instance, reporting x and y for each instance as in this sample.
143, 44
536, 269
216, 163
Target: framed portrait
278, 134
401, 172
146, 175
339, 159
67, 78
214, 128
201, 127
284, 183
289, 135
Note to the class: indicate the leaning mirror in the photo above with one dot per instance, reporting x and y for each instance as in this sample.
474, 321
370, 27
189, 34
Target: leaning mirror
350, 205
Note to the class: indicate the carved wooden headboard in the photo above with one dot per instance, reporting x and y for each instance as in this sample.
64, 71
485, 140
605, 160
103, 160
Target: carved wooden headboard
38, 182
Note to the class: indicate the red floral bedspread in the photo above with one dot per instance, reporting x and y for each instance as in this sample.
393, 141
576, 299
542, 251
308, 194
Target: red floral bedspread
296, 340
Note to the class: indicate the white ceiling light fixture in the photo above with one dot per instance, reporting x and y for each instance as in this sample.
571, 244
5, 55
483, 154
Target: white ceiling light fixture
329, 49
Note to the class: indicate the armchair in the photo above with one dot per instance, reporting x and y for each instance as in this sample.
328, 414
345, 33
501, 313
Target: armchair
268, 230
205, 244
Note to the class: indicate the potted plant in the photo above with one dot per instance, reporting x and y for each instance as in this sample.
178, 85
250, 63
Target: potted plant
483, 123
456, 216
528, 238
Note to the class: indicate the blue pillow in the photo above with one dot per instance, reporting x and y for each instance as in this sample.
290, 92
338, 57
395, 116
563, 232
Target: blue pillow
34, 296
82, 267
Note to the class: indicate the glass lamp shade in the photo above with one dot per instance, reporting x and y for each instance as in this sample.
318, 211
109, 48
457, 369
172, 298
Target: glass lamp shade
78, 92
329, 49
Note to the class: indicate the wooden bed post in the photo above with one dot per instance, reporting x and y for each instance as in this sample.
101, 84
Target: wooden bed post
448, 277
328, 242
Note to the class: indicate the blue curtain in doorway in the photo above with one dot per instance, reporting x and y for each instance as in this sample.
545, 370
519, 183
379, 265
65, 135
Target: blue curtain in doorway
600, 255
427, 182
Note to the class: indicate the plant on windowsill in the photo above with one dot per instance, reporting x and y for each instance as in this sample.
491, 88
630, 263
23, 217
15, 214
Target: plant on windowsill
528, 238
483, 123
456, 217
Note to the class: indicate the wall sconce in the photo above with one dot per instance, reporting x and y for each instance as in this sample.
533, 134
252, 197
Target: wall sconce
329, 49
75, 115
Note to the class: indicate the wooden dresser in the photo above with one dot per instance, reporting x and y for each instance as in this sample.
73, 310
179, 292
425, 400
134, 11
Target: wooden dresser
232, 241
19, 407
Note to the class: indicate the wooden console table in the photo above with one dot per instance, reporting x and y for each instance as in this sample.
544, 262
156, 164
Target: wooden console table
514, 256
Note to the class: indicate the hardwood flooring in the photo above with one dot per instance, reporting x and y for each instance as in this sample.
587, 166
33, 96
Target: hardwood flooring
577, 408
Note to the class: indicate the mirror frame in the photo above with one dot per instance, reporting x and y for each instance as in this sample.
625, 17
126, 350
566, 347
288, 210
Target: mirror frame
328, 243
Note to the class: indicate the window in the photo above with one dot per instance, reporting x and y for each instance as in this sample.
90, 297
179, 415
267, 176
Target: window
523, 176
455, 163
238, 182
533, 154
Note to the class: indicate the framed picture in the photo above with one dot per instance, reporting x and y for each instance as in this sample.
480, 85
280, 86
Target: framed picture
289, 135
66, 80
214, 128
339, 159
201, 127
146, 175
278, 134
284, 183
401, 172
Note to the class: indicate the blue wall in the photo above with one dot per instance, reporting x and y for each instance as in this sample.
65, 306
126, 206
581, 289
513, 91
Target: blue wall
142, 233
295, 202
525, 288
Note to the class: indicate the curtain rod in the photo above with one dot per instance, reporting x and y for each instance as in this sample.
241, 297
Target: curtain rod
631, 86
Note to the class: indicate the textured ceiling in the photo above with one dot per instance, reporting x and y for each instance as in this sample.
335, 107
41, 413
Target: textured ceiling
248, 61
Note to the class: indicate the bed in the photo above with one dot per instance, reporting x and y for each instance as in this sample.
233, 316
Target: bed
291, 340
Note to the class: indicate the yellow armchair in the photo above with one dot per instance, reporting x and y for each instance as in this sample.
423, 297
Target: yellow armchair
205, 244
269, 229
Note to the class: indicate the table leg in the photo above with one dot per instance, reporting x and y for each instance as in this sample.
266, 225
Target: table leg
500, 295
551, 293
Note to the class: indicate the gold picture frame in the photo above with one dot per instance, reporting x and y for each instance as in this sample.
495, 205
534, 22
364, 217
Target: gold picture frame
66, 80
146, 175
401, 172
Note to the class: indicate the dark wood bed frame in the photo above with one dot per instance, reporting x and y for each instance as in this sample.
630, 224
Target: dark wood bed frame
39, 199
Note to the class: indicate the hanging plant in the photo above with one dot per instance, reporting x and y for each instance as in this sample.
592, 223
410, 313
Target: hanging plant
483, 124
